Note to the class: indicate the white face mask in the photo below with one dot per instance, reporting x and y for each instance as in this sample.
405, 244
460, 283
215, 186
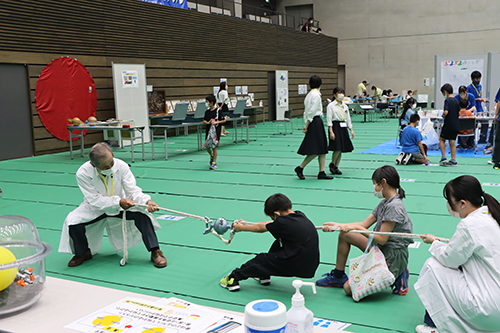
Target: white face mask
377, 194
106, 172
340, 97
207, 106
451, 211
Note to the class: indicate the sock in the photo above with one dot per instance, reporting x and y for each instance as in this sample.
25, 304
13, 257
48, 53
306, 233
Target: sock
154, 249
338, 273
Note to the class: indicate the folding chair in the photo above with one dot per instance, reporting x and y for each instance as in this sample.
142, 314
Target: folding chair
285, 120
468, 124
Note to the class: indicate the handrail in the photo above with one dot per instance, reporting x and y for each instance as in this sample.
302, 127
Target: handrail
243, 11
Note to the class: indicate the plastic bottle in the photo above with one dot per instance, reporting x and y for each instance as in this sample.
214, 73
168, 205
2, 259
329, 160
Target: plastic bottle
299, 318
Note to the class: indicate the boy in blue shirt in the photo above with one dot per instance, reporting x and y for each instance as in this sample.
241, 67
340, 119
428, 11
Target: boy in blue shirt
476, 89
412, 141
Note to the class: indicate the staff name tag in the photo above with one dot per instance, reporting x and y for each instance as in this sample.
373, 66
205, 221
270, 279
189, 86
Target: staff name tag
343, 124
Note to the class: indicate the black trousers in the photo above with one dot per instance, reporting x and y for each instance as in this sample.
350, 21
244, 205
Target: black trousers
259, 267
77, 232
496, 148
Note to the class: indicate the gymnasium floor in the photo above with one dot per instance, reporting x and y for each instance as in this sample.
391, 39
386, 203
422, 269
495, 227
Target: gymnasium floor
44, 190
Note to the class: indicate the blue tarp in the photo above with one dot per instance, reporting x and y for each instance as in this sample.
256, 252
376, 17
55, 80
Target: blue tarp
390, 148
172, 3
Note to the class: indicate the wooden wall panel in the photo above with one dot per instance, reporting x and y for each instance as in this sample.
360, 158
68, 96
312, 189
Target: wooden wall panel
179, 48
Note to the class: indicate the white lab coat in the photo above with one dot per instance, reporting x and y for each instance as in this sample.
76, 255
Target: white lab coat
460, 285
97, 201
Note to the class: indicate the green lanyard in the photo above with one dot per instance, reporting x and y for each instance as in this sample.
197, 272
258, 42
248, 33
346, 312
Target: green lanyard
478, 93
342, 111
105, 184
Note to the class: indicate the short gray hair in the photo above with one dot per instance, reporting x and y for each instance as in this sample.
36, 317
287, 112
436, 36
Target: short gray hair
98, 151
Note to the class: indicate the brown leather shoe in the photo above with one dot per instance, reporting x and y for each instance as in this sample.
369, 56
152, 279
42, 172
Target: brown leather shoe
158, 259
78, 260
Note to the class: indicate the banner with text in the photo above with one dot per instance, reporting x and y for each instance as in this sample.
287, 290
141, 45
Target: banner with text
172, 3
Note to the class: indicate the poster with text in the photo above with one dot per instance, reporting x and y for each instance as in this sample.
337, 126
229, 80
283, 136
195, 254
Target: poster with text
130, 79
457, 72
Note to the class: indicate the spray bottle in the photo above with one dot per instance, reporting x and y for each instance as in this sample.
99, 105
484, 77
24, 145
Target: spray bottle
299, 318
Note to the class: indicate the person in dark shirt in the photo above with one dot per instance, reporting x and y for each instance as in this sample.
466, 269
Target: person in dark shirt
295, 252
451, 125
213, 117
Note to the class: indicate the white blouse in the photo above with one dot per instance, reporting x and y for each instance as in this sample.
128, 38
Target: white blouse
223, 97
338, 112
312, 105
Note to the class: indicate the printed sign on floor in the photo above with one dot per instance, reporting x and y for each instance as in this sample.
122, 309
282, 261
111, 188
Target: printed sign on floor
167, 315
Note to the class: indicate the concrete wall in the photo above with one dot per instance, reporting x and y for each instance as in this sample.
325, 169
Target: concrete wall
392, 43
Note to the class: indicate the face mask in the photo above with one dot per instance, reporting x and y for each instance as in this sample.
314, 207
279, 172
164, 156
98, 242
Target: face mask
207, 106
378, 194
340, 97
106, 172
451, 211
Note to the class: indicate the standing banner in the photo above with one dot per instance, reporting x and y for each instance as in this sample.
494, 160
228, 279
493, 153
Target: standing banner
171, 3
281, 94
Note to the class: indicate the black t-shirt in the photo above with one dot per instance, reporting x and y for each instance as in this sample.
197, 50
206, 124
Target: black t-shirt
451, 123
296, 248
215, 114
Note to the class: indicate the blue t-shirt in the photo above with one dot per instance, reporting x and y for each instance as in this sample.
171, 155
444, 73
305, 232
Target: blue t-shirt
470, 99
406, 120
477, 93
410, 139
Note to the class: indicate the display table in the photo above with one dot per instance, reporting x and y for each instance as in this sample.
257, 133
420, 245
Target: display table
64, 302
165, 129
81, 128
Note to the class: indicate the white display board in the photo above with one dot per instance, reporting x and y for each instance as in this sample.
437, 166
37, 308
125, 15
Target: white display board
131, 99
494, 80
456, 70
281, 94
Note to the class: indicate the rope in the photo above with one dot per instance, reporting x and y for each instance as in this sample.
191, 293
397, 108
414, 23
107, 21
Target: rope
232, 232
175, 212
124, 260
395, 234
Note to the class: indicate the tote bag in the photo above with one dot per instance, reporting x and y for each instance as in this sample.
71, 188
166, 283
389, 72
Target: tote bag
368, 273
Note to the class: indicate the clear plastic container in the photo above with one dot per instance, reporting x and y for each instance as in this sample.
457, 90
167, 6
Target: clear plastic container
22, 264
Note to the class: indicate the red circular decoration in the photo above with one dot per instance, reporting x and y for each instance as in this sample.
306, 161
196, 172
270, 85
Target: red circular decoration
65, 90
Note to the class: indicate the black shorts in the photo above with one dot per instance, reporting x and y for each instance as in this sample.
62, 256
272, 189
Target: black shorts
449, 135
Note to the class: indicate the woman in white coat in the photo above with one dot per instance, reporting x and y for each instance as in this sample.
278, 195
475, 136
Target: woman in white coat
460, 285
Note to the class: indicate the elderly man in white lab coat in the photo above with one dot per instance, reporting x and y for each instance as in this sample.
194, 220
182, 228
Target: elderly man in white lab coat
109, 188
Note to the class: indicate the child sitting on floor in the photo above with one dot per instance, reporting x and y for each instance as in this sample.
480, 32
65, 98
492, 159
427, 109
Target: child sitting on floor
390, 216
413, 149
295, 252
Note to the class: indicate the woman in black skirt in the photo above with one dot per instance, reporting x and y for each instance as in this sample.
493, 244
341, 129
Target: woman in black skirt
338, 120
314, 143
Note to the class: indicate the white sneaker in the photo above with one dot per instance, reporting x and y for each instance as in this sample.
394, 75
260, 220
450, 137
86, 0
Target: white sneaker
426, 329
491, 162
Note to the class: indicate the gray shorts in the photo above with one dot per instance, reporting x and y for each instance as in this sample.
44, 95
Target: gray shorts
414, 156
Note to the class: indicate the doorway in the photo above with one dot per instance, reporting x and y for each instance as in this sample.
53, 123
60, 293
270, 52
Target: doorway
16, 130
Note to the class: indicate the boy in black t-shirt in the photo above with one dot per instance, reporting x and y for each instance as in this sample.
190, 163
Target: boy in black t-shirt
295, 252
451, 125
213, 117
